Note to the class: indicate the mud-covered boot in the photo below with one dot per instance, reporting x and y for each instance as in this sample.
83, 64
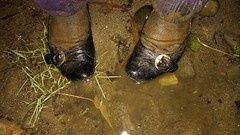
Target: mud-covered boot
71, 45
162, 39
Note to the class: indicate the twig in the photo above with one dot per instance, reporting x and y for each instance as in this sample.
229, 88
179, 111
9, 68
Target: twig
99, 85
74, 96
209, 47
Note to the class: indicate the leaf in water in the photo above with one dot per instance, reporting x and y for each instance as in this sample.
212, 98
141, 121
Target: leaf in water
103, 109
193, 42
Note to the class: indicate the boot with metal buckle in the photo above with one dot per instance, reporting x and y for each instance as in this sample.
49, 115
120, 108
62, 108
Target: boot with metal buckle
145, 64
162, 40
71, 45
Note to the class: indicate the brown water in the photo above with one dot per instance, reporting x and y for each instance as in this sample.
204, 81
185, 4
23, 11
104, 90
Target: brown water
201, 103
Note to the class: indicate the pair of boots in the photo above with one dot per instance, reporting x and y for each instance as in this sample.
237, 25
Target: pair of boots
158, 51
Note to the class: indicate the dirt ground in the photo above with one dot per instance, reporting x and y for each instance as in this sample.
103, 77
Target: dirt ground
205, 100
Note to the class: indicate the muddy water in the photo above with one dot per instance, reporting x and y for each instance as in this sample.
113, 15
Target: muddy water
193, 106
202, 102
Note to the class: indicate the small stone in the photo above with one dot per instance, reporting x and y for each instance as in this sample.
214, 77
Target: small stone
231, 38
195, 92
9, 128
168, 79
185, 69
234, 73
210, 9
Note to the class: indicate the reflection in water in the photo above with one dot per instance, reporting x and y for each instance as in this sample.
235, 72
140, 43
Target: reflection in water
124, 133
190, 105
150, 108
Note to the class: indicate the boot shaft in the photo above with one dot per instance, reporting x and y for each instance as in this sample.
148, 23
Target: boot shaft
168, 26
163, 37
68, 31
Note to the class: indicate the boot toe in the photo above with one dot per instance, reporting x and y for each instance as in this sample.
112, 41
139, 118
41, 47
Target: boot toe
77, 70
142, 65
141, 70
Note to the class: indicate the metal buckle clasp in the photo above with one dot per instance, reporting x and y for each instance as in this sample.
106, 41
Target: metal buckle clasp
58, 57
162, 61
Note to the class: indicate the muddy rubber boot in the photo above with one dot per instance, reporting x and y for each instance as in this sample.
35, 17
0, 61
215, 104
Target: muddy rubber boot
162, 39
71, 45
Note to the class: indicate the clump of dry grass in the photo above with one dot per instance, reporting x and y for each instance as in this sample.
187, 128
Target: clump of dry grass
46, 81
